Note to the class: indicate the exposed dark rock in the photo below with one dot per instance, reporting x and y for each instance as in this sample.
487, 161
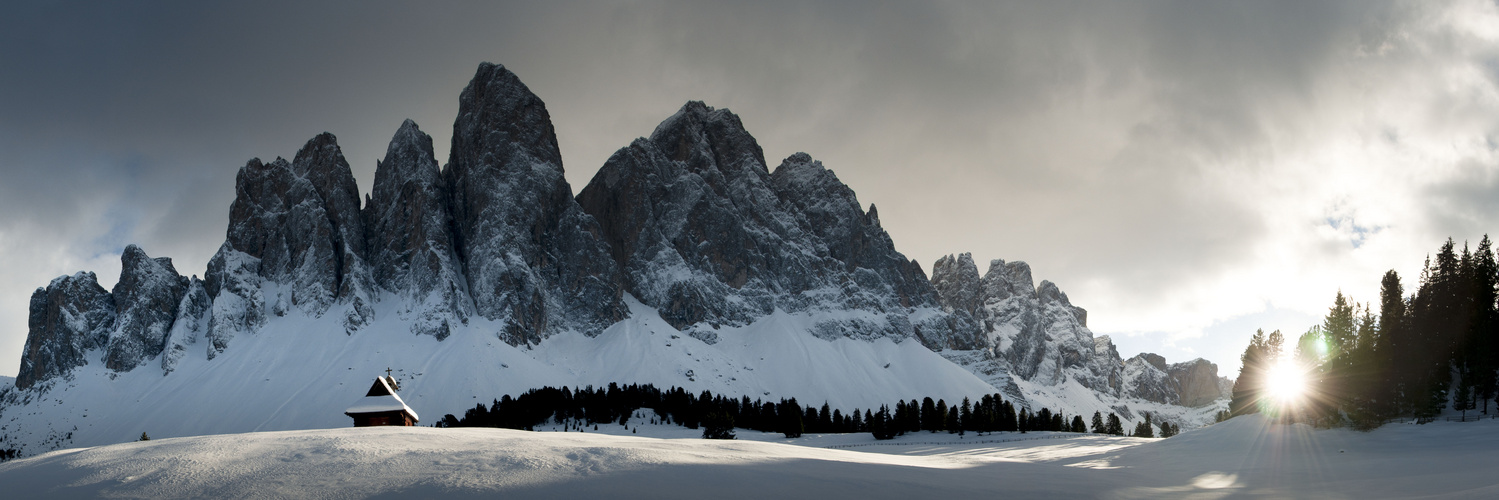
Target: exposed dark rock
410, 239
301, 220
533, 257
146, 299
708, 236
70, 317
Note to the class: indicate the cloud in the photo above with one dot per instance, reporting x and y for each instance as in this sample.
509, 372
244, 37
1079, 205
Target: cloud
1179, 168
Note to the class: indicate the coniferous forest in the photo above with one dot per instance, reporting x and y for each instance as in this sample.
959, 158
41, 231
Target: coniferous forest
719, 415
1410, 356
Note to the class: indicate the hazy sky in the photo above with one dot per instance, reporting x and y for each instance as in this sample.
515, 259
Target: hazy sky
1187, 171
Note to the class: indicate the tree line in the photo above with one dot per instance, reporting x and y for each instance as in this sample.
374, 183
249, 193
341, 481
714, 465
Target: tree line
1411, 358
718, 415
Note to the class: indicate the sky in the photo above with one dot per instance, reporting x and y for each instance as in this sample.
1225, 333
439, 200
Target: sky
1188, 172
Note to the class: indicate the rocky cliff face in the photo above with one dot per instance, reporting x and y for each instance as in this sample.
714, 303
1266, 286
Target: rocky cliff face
708, 236
1035, 330
1193, 383
533, 257
301, 221
410, 237
1036, 334
69, 318
146, 302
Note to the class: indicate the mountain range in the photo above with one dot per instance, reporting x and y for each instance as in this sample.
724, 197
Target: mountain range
685, 261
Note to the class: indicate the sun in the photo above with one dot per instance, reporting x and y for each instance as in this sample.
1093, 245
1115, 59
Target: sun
1286, 382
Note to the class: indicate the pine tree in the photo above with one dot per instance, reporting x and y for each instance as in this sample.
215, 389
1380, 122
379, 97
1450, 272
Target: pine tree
1483, 344
1098, 425
1394, 352
1144, 429
1462, 396
1078, 425
965, 416
1248, 389
144, 437
718, 425
1114, 427
791, 418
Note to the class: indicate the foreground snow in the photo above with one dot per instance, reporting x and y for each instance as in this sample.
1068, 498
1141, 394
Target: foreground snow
1245, 457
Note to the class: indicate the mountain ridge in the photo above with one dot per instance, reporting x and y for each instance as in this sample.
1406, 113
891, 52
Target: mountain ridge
686, 232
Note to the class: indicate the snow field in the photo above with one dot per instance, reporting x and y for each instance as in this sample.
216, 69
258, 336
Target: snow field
1246, 457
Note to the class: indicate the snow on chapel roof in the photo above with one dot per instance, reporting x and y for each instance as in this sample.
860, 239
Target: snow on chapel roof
381, 397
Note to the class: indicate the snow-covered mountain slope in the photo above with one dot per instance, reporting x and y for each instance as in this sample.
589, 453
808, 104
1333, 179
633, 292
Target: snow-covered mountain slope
301, 372
7, 382
1246, 456
685, 261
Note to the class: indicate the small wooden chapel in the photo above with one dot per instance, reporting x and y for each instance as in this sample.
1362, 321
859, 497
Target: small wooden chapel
381, 406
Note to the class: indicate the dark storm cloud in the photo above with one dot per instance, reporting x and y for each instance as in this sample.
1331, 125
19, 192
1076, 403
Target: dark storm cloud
1149, 157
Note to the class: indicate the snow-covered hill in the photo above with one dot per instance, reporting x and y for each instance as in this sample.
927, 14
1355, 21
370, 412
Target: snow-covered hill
1246, 456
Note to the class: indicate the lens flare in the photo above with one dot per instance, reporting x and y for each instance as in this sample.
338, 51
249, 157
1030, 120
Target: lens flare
1286, 382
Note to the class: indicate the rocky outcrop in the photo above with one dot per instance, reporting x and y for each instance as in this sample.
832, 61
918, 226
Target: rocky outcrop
708, 236
301, 221
70, 317
533, 258
410, 241
1193, 383
233, 282
191, 323
1037, 330
1197, 381
1036, 334
146, 299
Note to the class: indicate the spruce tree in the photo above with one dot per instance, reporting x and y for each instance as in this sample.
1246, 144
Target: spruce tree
1114, 426
1098, 425
1462, 395
1248, 388
965, 416
1394, 354
718, 425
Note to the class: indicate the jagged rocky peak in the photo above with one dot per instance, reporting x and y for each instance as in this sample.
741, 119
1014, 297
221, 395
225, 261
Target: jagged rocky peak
691, 219
1034, 330
70, 317
1003, 280
957, 282
1192, 383
411, 250
301, 220
533, 257
146, 299
710, 141
1197, 381
852, 236
709, 237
